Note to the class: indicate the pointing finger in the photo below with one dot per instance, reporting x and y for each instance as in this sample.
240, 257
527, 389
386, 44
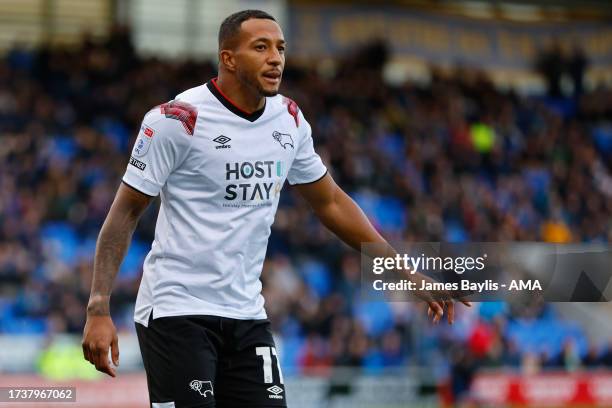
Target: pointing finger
115, 351
451, 311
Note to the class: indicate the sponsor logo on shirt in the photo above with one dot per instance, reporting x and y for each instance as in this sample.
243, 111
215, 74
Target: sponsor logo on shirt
284, 139
148, 131
253, 181
202, 387
141, 147
223, 142
137, 163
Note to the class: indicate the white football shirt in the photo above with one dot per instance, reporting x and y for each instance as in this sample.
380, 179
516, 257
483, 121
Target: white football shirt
219, 172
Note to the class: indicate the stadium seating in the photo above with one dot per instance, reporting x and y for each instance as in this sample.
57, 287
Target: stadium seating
456, 160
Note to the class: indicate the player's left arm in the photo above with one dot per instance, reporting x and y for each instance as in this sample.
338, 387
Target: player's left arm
339, 213
342, 216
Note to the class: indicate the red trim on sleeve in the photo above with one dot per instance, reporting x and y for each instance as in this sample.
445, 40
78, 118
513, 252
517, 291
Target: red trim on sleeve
293, 109
184, 112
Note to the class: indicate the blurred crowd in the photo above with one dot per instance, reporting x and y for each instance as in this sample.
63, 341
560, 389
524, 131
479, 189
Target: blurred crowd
452, 160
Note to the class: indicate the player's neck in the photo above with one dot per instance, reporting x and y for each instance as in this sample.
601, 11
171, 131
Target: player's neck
239, 95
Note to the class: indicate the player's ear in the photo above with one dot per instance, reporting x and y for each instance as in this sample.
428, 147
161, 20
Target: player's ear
226, 57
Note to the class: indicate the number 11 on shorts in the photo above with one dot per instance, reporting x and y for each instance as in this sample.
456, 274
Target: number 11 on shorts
265, 353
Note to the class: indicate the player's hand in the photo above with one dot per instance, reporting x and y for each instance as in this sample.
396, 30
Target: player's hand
98, 336
435, 309
437, 300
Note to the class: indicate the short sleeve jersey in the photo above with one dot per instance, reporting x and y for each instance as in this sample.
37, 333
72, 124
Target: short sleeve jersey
219, 172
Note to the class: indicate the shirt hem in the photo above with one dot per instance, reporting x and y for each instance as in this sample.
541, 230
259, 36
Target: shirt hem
141, 184
310, 182
200, 312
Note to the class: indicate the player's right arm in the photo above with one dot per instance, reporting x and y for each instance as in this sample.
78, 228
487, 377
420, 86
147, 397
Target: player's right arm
113, 241
163, 143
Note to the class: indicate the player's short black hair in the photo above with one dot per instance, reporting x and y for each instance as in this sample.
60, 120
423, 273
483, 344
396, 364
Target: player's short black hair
231, 25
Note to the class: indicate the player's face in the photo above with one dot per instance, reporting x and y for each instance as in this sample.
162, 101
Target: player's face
260, 56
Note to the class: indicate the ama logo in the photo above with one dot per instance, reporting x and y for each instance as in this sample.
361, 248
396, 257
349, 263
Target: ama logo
284, 139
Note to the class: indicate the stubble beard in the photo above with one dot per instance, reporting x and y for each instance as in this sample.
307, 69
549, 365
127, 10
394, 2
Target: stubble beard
253, 83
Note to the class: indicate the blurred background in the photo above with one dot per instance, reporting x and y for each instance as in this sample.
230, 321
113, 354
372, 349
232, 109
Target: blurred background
445, 120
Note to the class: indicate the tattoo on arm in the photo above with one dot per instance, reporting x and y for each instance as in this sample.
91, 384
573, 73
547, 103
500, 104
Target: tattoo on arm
112, 245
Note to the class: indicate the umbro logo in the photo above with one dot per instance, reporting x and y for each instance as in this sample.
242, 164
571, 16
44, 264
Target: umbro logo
223, 142
275, 390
